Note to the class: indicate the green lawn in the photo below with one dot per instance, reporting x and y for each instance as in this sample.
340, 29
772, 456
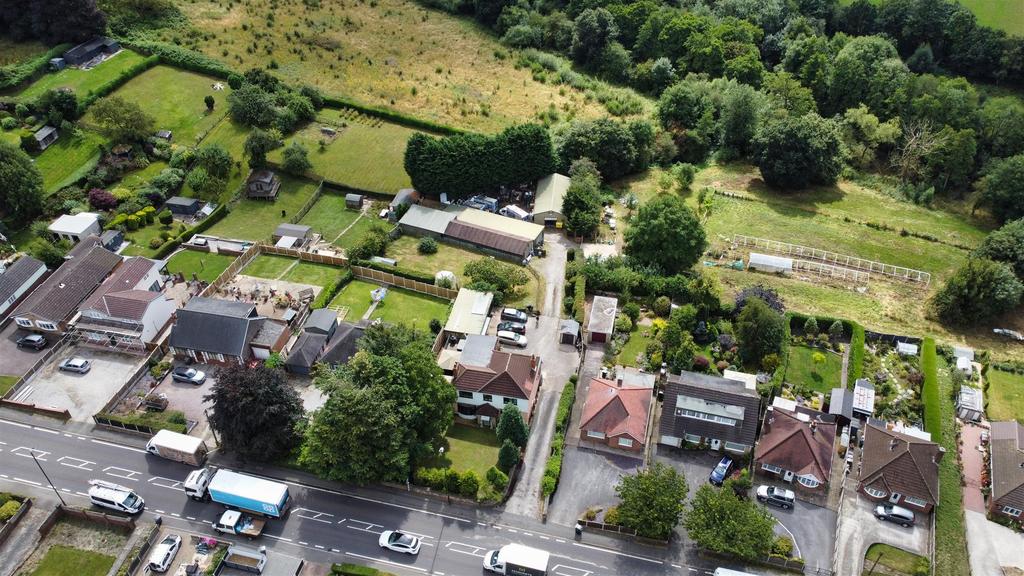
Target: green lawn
135, 180
174, 98
140, 238
950, 537
82, 81
67, 561
901, 561
411, 308
360, 156
7, 382
447, 257
68, 159
467, 448
1005, 396
313, 274
358, 230
257, 219
356, 297
207, 266
1007, 15
329, 217
232, 137
267, 266
804, 372
635, 346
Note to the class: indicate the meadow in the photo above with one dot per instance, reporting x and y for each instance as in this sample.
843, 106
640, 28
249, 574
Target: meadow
1006, 15
82, 81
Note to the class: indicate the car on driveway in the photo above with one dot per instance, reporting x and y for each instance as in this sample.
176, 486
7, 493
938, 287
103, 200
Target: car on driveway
511, 338
517, 327
514, 315
721, 471
164, 552
397, 541
777, 496
32, 341
75, 364
188, 375
895, 514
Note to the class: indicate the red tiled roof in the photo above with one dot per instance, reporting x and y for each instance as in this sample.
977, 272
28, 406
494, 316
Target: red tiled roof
615, 410
896, 462
793, 445
508, 374
118, 297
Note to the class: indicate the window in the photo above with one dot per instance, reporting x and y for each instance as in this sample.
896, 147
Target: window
488, 398
875, 493
47, 326
220, 357
919, 502
464, 394
626, 442
693, 438
685, 413
1011, 511
510, 401
809, 481
595, 434
771, 468
735, 447
24, 323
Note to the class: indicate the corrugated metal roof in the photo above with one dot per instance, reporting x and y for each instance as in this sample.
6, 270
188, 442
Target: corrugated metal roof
551, 191
507, 226
488, 238
429, 219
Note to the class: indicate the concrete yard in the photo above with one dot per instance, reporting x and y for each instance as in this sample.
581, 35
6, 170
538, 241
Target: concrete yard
16, 361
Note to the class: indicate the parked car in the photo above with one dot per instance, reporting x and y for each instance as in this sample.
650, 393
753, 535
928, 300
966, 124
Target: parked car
517, 327
32, 341
511, 338
164, 552
895, 514
721, 472
75, 364
778, 496
115, 497
514, 315
188, 375
399, 542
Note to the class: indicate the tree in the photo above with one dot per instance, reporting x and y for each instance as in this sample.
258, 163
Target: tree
1005, 245
868, 69
210, 102
609, 144
296, 159
787, 93
254, 412
652, 500
53, 21
793, 153
165, 217
741, 111
980, 291
21, 195
258, 144
836, 331
811, 326
581, 205
511, 427
502, 278
215, 159
864, 134
508, 456
722, 522
760, 331
595, 31
252, 106
57, 106
950, 164
919, 141
122, 121
102, 199
1002, 126
1002, 188
665, 222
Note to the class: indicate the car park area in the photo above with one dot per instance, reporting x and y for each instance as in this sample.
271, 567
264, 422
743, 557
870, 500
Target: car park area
858, 529
188, 398
15, 361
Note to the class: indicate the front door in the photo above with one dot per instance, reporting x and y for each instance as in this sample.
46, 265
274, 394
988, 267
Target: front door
716, 444
895, 497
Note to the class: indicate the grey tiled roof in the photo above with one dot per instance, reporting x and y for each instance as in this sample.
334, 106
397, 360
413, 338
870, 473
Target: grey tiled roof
215, 326
17, 274
731, 393
61, 293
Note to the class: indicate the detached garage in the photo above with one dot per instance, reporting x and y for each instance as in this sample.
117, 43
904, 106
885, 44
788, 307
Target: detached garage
602, 319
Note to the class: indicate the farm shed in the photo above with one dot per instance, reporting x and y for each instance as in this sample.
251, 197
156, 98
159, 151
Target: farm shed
423, 221
769, 263
354, 201
547, 204
602, 319
183, 206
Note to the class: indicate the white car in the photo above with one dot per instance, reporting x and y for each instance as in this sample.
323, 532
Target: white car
509, 337
188, 375
164, 552
399, 542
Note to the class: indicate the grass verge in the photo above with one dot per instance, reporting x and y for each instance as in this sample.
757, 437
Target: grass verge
7, 382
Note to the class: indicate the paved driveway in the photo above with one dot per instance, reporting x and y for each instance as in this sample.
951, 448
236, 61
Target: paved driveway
696, 465
858, 529
189, 398
16, 361
588, 480
80, 394
812, 528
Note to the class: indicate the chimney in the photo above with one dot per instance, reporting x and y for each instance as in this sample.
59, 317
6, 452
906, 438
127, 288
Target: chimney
892, 444
533, 364
814, 428
618, 381
939, 455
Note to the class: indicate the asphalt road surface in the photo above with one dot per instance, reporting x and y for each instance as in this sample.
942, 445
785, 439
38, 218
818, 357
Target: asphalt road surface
322, 525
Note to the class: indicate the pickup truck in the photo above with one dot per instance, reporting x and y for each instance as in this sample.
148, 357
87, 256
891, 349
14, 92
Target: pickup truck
235, 522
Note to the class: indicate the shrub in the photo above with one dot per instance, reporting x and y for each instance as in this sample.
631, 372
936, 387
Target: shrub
469, 484
623, 324
165, 217
327, 294
611, 515
782, 546
508, 456
155, 243
497, 479
663, 306
811, 326
8, 510
9, 123
547, 485
430, 477
435, 326
427, 245
101, 199
132, 223
580, 299
632, 309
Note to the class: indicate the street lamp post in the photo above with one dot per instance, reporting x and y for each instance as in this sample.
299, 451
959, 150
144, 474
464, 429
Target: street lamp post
48, 481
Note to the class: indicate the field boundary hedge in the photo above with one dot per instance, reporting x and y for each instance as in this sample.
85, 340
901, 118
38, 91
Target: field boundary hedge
14, 75
120, 80
930, 390
393, 116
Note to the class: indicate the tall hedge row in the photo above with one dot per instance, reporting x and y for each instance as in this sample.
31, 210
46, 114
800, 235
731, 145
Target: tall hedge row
930, 391
855, 366
14, 74
183, 58
120, 80
392, 116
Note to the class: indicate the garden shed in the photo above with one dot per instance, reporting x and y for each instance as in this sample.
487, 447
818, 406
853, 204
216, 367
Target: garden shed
769, 263
906, 349
297, 231
602, 319
964, 365
354, 201
970, 404
569, 332
183, 206
45, 136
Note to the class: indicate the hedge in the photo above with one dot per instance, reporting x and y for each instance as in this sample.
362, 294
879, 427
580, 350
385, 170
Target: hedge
183, 58
346, 569
218, 213
327, 294
579, 300
397, 271
393, 116
150, 419
15, 74
115, 83
553, 466
855, 365
930, 391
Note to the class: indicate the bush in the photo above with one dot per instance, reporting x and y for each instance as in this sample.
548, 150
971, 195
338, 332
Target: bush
663, 306
632, 309
427, 245
165, 217
623, 324
9, 123
580, 299
611, 515
782, 546
508, 456
497, 479
8, 510
100, 199
469, 484
430, 477
155, 243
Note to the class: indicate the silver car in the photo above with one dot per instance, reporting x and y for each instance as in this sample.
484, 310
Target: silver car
75, 364
511, 338
164, 552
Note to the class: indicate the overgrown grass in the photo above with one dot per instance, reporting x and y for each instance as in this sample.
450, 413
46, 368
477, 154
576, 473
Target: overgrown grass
467, 448
206, 266
1005, 395
68, 159
329, 217
267, 266
930, 390
803, 371
82, 81
900, 561
12, 52
66, 561
257, 219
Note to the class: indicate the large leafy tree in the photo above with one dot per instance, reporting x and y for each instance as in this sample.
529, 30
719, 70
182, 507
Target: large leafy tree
258, 144
255, 412
122, 121
21, 194
741, 112
612, 145
787, 93
719, 521
794, 152
252, 106
582, 202
980, 291
760, 331
1002, 188
868, 69
667, 234
595, 31
511, 426
1002, 126
652, 500
52, 21
1006, 245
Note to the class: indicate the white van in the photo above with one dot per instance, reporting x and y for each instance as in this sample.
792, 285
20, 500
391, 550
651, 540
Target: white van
727, 572
115, 497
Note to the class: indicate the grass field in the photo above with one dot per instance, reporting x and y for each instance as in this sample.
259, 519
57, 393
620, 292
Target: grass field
467, 448
12, 52
356, 297
82, 81
803, 371
1005, 396
313, 274
900, 561
68, 159
359, 229
267, 266
329, 217
174, 98
411, 308
206, 266
361, 156
257, 219
7, 382
67, 561
1007, 15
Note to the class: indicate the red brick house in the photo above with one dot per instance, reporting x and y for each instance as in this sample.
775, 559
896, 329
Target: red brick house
899, 468
796, 446
617, 414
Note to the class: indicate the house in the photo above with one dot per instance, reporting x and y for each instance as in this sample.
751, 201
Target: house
1006, 469
796, 445
321, 321
769, 263
970, 404
487, 384
853, 404
568, 332
602, 319
86, 51
471, 313
224, 332
17, 280
354, 201
262, 185
703, 409
547, 203
75, 227
50, 306
181, 206
129, 310
291, 234
45, 136
906, 349
342, 345
112, 239
899, 468
617, 413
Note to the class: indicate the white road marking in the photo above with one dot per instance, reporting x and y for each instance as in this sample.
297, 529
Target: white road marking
72, 462
47, 430
367, 528
175, 514
559, 540
513, 530
274, 537
313, 515
543, 537
66, 435
318, 546
18, 424
527, 534
112, 445
564, 570
27, 453
335, 550
388, 562
467, 549
161, 511
16, 479
82, 494
190, 517
162, 482
121, 473
599, 549
303, 543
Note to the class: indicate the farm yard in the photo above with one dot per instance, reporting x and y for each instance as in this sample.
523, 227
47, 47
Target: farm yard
82, 81
256, 219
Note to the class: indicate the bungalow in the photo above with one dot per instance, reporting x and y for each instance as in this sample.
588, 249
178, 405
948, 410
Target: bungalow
17, 280
617, 413
702, 409
74, 228
1007, 469
547, 203
262, 185
129, 310
224, 332
899, 468
796, 445
602, 319
487, 383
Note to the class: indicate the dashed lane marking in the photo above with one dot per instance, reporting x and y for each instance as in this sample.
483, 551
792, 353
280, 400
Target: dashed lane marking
318, 546
47, 430
559, 540
190, 517
112, 445
33, 482
274, 537
303, 543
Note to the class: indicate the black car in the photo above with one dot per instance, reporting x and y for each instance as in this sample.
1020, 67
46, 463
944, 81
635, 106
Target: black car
517, 327
32, 341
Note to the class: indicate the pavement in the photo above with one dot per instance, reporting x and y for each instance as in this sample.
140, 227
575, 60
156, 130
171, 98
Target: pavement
189, 399
23, 540
812, 529
16, 361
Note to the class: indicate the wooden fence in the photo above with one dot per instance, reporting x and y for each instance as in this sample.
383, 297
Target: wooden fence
313, 257
231, 271
309, 204
401, 282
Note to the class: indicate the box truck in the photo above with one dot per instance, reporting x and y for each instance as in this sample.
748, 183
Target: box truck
239, 491
517, 560
178, 447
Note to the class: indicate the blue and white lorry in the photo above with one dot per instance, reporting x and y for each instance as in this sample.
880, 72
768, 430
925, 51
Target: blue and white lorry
245, 496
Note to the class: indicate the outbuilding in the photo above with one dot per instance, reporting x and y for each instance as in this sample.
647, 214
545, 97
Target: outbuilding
74, 228
354, 201
45, 136
300, 232
86, 51
183, 206
547, 204
769, 263
970, 404
906, 349
602, 319
569, 332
